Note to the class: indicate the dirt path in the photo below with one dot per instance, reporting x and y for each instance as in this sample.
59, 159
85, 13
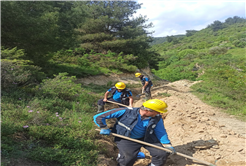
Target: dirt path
197, 129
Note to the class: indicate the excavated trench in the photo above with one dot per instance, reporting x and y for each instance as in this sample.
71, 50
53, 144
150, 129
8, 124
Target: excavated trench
194, 128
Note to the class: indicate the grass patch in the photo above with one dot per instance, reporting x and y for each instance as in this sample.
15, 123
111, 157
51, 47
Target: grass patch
220, 94
96, 89
133, 85
45, 125
237, 52
164, 94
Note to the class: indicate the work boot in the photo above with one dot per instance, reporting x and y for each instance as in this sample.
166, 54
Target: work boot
147, 96
100, 108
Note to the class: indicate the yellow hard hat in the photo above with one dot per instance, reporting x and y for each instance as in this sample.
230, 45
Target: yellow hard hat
120, 85
156, 105
138, 74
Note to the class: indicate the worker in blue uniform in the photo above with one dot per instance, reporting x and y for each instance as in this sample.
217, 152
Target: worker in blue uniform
147, 84
143, 123
120, 94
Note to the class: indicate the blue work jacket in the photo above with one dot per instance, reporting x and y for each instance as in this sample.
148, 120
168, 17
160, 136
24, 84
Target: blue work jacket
146, 79
128, 119
121, 97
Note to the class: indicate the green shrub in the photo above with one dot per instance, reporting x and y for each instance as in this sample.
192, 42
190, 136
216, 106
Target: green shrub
228, 45
186, 52
90, 63
217, 50
83, 61
190, 56
12, 54
114, 61
61, 86
16, 71
240, 43
12, 75
176, 71
202, 54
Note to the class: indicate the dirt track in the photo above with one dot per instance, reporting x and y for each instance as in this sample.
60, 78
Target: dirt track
195, 129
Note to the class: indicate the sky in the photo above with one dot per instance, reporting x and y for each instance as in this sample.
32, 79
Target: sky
174, 17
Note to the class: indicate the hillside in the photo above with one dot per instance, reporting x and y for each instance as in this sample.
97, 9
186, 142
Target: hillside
216, 56
159, 40
227, 35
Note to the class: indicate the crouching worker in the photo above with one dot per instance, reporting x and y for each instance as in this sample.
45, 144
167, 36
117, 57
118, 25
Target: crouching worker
120, 94
145, 124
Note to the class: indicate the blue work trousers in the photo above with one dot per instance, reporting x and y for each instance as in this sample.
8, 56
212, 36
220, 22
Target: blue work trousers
129, 150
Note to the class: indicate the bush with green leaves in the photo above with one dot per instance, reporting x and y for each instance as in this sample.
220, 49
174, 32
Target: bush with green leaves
83, 61
227, 45
61, 86
186, 52
217, 50
109, 62
240, 43
179, 70
15, 71
12, 54
12, 75
201, 45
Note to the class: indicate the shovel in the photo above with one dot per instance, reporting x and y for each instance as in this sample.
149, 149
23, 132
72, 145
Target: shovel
138, 96
161, 148
118, 104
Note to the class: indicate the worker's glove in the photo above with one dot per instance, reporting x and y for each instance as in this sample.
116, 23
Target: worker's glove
141, 155
169, 147
130, 108
105, 131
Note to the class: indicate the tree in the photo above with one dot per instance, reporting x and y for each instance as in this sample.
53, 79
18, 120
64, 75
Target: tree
217, 25
169, 39
234, 20
111, 26
190, 32
173, 39
40, 27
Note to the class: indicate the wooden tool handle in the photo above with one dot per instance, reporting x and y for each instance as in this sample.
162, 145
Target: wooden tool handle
161, 148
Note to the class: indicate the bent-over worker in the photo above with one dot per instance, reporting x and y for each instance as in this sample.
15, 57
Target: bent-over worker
147, 84
120, 94
145, 124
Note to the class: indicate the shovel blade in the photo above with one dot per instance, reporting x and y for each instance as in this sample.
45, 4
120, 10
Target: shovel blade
138, 96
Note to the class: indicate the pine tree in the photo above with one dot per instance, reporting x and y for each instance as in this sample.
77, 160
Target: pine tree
217, 25
40, 27
111, 26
